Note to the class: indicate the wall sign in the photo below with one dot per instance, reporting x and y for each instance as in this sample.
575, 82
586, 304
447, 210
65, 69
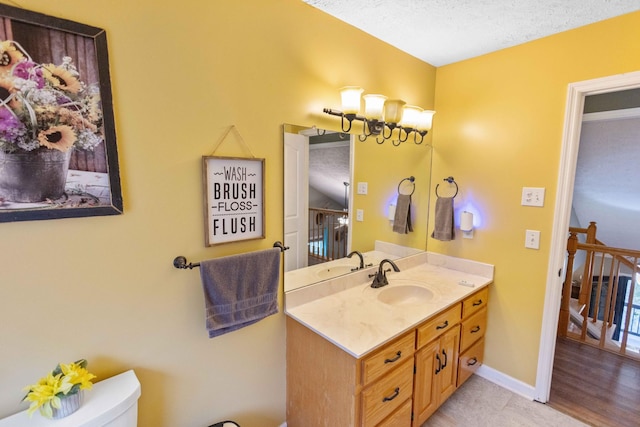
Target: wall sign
234, 199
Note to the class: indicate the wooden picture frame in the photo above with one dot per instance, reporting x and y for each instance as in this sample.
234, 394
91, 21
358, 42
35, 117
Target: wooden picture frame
233, 199
91, 184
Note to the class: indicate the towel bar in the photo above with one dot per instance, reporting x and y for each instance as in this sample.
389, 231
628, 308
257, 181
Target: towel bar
181, 262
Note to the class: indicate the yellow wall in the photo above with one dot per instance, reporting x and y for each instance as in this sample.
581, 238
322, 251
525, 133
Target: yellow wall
500, 122
104, 288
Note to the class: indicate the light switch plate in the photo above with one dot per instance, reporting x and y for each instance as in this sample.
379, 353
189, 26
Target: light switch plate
363, 188
359, 215
532, 239
532, 196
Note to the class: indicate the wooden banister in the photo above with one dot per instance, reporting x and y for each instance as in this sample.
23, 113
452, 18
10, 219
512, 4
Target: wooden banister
563, 321
594, 322
327, 234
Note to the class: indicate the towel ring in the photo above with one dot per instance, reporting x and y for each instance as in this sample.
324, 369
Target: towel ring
411, 179
450, 180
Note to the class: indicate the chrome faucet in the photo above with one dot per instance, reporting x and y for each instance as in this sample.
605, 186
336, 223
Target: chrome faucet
380, 279
361, 260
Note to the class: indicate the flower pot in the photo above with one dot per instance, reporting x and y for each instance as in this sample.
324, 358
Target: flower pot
34, 176
68, 405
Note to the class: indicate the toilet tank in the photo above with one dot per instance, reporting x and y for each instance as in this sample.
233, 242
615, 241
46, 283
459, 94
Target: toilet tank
110, 403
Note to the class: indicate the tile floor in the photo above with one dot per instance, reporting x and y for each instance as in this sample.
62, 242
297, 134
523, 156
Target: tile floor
481, 403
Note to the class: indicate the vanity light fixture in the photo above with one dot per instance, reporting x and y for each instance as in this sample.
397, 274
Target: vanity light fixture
382, 116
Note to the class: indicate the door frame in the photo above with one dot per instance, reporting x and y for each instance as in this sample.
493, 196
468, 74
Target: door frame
566, 179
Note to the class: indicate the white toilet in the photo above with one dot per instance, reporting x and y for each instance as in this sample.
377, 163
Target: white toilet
110, 403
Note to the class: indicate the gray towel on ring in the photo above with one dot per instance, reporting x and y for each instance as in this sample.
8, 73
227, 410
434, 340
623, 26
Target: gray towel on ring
240, 290
443, 229
402, 218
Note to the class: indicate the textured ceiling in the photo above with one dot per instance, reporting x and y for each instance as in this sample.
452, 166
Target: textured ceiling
441, 32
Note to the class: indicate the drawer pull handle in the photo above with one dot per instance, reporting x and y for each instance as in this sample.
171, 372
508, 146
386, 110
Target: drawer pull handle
398, 356
395, 394
476, 303
444, 325
472, 361
475, 329
444, 364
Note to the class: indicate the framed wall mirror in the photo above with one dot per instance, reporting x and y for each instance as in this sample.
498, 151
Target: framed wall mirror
337, 195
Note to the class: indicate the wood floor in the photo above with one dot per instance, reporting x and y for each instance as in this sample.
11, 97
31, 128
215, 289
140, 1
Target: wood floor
594, 386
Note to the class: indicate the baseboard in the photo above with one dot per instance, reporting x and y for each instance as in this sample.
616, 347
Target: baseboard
284, 424
505, 381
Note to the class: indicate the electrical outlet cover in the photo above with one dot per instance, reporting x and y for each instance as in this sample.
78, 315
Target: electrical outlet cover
532, 239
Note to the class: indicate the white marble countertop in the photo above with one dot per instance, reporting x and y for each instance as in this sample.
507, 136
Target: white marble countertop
347, 311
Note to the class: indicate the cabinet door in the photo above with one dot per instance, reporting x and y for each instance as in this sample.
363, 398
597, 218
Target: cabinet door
448, 353
426, 369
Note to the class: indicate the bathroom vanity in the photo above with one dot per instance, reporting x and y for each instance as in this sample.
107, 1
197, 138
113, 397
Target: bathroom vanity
358, 356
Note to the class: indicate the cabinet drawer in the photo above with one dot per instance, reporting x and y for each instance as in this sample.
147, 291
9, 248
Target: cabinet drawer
402, 417
470, 361
438, 325
473, 329
389, 357
475, 302
383, 397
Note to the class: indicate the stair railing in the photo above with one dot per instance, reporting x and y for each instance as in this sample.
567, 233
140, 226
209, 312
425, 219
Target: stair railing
602, 315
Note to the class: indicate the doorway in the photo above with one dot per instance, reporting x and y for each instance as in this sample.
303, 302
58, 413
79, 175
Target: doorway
566, 177
318, 169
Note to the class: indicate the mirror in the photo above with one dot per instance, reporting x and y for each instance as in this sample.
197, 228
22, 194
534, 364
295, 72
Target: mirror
330, 177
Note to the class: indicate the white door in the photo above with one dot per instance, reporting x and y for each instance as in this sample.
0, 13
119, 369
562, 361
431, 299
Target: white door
296, 200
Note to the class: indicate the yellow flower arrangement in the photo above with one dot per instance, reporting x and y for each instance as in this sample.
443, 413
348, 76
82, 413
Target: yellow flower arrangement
64, 380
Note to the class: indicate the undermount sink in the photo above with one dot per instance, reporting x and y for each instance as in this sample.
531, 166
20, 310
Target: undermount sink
335, 271
405, 295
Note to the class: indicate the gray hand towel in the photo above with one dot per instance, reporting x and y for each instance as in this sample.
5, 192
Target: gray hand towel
402, 218
443, 229
240, 289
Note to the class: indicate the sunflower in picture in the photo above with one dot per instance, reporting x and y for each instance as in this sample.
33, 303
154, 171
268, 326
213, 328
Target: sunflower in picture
61, 78
8, 93
9, 55
57, 137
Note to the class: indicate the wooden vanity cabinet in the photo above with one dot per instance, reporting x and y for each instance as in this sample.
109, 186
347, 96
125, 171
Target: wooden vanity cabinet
400, 384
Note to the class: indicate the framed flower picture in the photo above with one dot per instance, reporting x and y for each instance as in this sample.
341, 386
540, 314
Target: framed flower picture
58, 154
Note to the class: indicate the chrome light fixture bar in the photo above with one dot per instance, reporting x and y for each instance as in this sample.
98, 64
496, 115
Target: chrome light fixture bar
382, 116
